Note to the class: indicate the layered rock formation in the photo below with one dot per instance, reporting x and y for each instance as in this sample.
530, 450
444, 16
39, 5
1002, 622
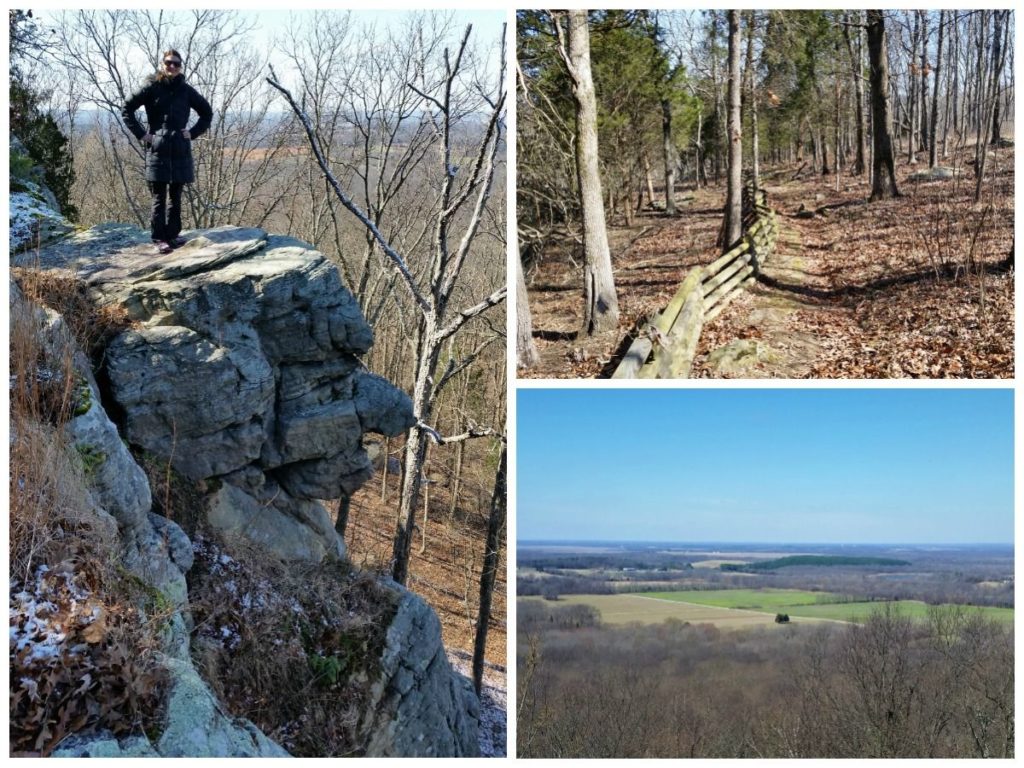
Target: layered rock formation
241, 369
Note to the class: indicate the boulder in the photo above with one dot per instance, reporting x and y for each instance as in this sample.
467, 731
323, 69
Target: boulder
420, 706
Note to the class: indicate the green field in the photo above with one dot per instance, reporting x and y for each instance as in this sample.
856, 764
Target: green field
812, 605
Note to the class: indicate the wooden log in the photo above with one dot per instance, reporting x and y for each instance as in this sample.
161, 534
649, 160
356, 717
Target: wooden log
726, 288
685, 335
634, 358
713, 282
638, 352
725, 258
716, 310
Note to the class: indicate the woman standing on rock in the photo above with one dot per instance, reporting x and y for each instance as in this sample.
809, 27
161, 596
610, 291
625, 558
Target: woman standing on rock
168, 100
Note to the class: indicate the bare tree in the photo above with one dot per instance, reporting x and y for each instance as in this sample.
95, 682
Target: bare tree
600, 302
464, 187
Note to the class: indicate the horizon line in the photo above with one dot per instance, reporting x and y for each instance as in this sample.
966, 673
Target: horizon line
771, 543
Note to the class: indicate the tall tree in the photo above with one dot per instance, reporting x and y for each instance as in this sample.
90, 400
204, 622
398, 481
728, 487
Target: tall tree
855, 54
492, 552
600, 302
998, 59
935, 97
884, 171
461, 202
733, 202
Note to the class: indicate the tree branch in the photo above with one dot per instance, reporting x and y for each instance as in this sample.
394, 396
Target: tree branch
355, 210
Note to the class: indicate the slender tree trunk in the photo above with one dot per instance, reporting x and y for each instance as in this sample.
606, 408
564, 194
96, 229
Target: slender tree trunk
998, 58
858, 90
600, 303
997, 39
935, 99
669, 149
495, 525
752, 101
341, 524
912, 92
456, 480
649, 181
954, 66
884, 171
526, 350
733, 204
924, 81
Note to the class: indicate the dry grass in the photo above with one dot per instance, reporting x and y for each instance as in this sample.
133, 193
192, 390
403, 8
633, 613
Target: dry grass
82, 655
293, 649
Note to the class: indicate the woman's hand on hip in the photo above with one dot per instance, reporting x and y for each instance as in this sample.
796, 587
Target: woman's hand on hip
186, 134
147, 139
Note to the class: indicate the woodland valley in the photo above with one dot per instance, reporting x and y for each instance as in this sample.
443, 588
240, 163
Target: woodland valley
730, 650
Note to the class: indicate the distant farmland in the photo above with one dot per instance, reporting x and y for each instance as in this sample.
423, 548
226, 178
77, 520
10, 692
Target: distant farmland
745, 608
815, 605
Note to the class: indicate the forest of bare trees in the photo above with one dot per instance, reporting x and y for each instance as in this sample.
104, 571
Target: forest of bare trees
888, 688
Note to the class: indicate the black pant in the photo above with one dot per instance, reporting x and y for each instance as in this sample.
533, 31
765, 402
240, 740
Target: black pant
166, 221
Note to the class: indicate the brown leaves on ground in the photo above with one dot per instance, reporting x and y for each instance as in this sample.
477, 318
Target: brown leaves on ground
78, 660
915, 286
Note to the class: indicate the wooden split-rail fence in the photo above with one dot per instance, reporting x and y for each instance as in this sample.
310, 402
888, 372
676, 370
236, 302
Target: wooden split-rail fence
665, 347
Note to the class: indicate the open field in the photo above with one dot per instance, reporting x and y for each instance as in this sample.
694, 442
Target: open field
805, 604
645, 609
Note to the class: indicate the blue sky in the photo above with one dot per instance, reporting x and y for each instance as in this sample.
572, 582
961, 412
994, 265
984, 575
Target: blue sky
767, 465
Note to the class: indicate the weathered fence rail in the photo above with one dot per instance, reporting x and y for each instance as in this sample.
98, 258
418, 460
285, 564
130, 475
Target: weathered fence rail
665, 348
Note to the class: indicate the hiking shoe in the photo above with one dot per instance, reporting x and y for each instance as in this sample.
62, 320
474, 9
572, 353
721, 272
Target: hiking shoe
177, 242
163, 247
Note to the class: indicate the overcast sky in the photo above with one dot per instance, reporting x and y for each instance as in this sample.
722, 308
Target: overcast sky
768, 465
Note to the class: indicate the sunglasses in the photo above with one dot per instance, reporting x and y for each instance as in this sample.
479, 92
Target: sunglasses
171, 63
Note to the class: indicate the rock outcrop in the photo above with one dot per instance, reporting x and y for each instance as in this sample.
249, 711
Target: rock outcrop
242, 367
241, 370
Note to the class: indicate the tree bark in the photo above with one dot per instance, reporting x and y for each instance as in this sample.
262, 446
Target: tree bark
526, 350
752, 97
669, 148
932, 149
925, 134
858, 89
733, 204
600, 303
884, 171
998, 57
495, 525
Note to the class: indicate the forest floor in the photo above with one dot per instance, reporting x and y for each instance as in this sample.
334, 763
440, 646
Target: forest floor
901, 288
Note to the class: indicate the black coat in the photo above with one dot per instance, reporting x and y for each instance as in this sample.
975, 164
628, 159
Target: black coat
168, 106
